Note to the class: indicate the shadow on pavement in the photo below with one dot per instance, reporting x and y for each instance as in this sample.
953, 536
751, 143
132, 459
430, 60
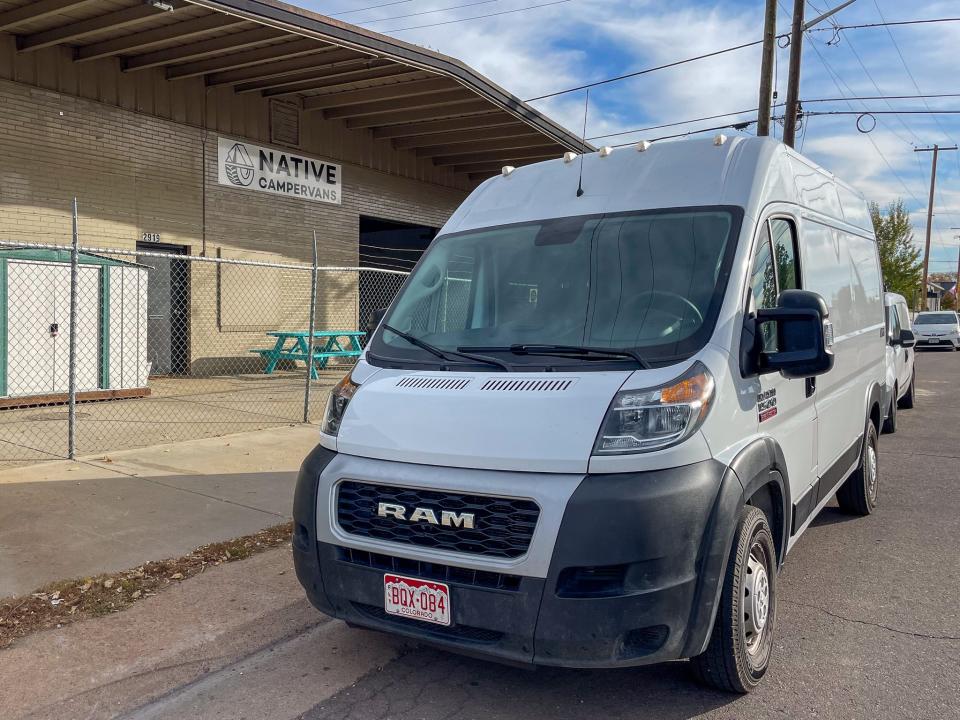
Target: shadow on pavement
433, 685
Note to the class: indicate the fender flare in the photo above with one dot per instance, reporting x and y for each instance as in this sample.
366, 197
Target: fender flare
874, 396
759, 463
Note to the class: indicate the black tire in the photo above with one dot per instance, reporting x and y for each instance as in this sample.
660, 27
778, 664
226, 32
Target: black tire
738, 655
858, 495
890, 424
906, 402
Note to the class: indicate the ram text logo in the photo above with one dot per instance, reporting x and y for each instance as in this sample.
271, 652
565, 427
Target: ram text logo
239, 166
448, 518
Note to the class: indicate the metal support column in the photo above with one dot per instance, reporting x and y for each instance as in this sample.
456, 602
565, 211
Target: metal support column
72, 370
313, 315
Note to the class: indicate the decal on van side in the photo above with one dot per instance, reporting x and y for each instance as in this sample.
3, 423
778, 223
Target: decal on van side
767, 404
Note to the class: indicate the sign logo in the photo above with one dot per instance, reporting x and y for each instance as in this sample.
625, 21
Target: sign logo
239, 166
246, 166
448, 518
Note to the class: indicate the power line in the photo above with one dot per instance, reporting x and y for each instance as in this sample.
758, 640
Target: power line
428, 12
906, 67
881, 97
836, 81
732, 126
879, 90
369, 7
834, 28
645, 71
679, 122
479, 17
807, 101
881, 112
897, 114
916, 85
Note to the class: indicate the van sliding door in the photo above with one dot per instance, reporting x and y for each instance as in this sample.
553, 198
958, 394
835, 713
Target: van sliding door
842, 268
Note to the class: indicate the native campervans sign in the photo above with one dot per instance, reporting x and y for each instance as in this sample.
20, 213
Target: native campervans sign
247, 166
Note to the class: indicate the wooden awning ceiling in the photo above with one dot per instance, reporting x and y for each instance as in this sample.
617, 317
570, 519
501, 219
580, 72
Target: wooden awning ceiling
413, 98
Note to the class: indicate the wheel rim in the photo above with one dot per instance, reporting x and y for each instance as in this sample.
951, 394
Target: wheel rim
756, 600
871, 471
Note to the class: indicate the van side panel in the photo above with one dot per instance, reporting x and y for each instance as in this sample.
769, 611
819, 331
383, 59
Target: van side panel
844, 269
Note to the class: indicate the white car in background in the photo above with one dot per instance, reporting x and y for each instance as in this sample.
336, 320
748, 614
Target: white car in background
940, 328
899, 387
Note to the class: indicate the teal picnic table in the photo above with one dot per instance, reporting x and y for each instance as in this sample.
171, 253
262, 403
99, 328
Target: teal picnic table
295, 345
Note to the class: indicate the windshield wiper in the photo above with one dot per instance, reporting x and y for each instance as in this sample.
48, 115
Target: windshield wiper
564, 350
445, 354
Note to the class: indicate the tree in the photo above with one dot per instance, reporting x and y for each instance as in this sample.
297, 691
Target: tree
948, 302
900, 260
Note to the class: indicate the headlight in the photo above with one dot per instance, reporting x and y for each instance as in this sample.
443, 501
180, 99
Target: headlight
337, 404
645, 420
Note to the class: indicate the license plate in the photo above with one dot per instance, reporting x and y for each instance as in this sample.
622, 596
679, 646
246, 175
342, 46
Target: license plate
933, 340
416, 599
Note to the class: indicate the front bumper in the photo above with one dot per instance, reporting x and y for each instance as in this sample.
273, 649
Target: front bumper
633, 578
933, 342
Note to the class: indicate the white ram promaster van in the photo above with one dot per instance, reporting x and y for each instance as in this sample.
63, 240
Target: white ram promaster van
898, 391
591, 425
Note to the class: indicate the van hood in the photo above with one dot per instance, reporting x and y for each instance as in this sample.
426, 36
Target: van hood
535, 422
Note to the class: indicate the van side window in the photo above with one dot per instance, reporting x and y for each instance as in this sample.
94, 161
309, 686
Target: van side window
763, 282
764, 279
893, 322
785, 251
903, 315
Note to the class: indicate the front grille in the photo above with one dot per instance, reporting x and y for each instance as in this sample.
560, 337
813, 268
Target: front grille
429, 571
458, 632
503, 526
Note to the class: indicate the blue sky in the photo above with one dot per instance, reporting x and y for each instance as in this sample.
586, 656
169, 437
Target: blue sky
561, 45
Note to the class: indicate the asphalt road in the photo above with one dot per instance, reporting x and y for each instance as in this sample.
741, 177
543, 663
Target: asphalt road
869, 623
869, 627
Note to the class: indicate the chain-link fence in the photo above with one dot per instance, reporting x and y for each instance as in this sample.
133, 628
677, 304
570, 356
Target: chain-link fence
107, 349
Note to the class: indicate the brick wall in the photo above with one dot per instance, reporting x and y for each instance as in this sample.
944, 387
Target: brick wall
134, 173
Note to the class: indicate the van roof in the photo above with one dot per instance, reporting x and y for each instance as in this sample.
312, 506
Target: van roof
746, 172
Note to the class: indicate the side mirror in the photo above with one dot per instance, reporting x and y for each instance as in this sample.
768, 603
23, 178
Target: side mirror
804, 336
374, 320
907, 339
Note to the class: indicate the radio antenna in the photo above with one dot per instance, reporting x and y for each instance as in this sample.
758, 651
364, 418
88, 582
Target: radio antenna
583, 137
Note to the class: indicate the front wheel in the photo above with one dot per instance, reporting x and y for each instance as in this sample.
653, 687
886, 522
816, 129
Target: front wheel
858, 495
739, 650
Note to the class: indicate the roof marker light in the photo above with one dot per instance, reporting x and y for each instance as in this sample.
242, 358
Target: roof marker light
719, 139
507, 170
606, 151
569, 157
643, 146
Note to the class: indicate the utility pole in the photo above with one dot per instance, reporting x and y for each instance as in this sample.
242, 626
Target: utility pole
766, 68
797, 29
956, 287
793, 81
926, 250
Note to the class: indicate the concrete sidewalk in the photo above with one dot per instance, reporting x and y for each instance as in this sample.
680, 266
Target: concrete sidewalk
104, 513
238, 641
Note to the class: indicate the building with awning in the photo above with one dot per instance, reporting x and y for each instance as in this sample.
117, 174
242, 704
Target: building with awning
237, 128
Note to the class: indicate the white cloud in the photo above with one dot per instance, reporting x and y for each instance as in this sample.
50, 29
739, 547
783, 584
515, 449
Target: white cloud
542, 50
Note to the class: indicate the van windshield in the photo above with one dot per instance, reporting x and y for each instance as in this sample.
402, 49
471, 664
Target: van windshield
651, 282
